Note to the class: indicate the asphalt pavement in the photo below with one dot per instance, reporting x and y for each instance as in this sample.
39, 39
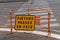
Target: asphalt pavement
5, 12
55, 6
38, 34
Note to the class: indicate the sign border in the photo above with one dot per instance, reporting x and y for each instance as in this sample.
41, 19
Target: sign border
23, 29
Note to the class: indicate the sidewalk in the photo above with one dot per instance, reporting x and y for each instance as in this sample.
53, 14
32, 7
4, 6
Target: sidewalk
24, 36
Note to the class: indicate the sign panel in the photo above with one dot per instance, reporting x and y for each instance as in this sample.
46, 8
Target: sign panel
25, 22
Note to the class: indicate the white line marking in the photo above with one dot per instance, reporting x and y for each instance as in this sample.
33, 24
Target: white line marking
32, 12
35, 13
40, 20
47, 20
51, 25
57, 36
9, 24
56, 30
47, 16
39, 13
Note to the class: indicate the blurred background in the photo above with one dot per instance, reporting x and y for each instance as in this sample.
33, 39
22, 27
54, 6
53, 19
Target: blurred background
1, 1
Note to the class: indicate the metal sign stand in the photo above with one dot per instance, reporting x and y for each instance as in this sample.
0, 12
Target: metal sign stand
49, 32
11, 21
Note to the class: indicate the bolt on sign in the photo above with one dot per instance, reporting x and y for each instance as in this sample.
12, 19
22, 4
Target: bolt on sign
25, 22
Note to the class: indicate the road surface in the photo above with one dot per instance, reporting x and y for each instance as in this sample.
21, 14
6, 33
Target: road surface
55, 6
38, 34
